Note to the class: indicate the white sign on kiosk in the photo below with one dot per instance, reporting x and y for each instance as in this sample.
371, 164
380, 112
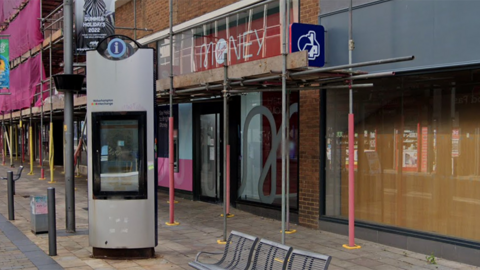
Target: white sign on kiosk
120, 126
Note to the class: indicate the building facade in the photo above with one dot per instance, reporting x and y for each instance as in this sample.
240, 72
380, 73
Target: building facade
415, 133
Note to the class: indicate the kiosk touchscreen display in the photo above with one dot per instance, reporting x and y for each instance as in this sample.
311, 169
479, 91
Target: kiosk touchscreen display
119, 169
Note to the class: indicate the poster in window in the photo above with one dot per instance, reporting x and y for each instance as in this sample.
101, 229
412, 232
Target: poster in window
424, 164
455, 142
373, 162
409, 158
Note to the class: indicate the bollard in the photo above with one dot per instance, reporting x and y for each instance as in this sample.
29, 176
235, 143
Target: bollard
10, 183
52, 223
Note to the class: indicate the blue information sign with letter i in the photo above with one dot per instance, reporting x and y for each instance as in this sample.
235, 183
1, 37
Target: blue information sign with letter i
117, 47
311, 38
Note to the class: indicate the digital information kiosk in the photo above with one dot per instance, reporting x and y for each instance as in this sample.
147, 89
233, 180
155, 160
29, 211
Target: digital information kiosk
122, 197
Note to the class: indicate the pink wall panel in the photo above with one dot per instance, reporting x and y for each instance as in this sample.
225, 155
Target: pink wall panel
183, 179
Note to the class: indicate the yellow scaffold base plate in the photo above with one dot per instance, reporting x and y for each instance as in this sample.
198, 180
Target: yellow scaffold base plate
173, 201
172, 224
349, 247
290, 231
221, 242
228, 215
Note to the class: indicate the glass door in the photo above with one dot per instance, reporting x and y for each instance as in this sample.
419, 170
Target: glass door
210, 157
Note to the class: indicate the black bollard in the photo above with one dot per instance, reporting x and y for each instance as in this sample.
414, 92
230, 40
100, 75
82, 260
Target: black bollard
52, 223
10, 183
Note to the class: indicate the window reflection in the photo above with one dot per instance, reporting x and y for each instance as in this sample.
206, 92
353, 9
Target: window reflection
119, 155
417, 153
261, 160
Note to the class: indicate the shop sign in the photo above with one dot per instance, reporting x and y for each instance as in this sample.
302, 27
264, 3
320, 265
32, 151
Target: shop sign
240, 42
311, 38
4, 64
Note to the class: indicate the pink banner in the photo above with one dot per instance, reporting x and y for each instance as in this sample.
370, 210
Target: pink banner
8, 8
23, 85
25, 31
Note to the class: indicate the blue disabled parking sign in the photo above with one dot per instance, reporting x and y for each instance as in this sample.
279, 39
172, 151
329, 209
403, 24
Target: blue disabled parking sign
311, 38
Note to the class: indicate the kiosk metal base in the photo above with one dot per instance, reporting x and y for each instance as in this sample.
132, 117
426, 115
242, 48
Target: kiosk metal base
134, 253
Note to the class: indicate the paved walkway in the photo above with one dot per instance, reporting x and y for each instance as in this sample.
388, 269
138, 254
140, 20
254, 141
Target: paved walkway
200, 228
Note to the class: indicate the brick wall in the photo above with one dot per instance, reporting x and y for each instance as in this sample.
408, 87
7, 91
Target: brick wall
309, 184
154, 14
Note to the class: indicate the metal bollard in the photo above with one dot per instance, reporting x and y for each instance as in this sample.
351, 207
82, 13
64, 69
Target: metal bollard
10, 186
52, 223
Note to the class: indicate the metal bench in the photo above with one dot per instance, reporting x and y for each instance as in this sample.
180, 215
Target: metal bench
300, 260
237, 254
16, 176
271, 255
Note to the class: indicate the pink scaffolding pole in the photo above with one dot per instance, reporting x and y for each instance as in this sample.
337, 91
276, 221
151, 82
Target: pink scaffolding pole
351, 149
171, 168
170, 130
228, 180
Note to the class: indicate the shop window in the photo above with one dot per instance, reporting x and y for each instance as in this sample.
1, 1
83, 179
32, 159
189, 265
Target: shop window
417, 153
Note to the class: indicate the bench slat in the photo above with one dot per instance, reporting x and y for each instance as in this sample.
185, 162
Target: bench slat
270, 255
300, 260
237, 254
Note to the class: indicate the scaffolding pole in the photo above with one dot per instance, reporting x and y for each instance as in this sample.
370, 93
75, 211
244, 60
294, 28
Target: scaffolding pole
284, 94
10, 141
3, 139
225, 145
170, 130
68, 116
42, 170
22, 136
299, 73
135, 19
30, 140
351, 148
50, 139
15, 140
287, 138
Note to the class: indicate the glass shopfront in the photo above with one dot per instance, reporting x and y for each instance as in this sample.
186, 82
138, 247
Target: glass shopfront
249, 34
417, 153
261, 159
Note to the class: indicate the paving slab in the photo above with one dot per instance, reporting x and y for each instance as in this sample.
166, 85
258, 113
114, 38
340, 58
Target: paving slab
200, 227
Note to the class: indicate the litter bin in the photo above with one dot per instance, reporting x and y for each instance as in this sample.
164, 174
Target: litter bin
38, 214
